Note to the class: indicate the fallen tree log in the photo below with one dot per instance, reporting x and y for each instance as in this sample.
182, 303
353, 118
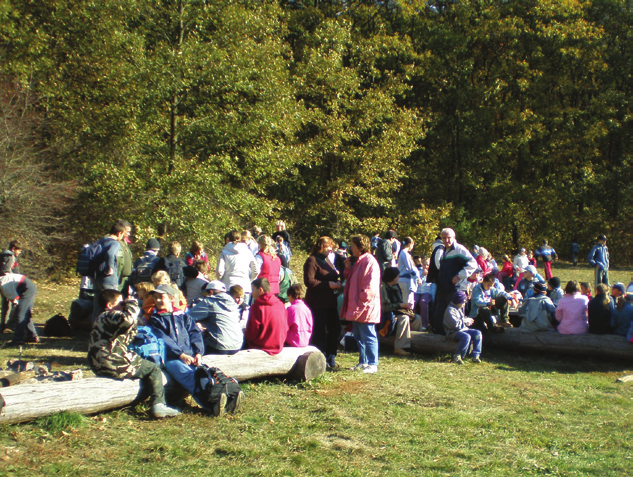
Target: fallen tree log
513, 339
91, 395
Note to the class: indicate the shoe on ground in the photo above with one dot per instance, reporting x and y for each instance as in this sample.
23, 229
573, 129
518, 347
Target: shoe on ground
506, 324
220, 407
401, 352
457, 359
476, 359
370, 369
236, 404
358, 367
161, 411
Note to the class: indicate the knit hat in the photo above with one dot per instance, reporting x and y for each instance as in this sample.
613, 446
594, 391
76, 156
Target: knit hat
539, 288
530, 269
215, 285
152, 244
554, 282
459, 297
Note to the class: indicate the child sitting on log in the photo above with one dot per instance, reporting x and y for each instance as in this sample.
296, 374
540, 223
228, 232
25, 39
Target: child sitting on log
456, 327
538, 312
109, 356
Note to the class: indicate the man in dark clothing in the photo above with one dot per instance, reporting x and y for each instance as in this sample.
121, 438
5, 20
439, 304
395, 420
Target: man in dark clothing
456, 265
384, 251
107, 276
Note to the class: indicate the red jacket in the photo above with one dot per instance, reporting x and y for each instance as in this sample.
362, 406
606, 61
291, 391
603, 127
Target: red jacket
267, 324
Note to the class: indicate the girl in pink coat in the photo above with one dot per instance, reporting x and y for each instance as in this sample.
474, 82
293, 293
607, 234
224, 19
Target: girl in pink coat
571, 312
361, 302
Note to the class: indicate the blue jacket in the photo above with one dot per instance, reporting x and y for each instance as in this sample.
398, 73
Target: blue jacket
481, 298
111, 249
221, 317
599, 256
179, 332
456, 260
546, 253
621, 319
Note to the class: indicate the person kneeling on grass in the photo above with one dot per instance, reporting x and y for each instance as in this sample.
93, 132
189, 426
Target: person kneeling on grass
456, 328
108, 353
397, 315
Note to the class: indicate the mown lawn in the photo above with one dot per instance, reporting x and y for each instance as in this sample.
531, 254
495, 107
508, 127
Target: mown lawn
513, 414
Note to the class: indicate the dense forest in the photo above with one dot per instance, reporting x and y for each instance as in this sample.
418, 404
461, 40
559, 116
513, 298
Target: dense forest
509, 120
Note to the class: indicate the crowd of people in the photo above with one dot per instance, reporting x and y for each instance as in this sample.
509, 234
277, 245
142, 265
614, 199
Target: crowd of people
373, 287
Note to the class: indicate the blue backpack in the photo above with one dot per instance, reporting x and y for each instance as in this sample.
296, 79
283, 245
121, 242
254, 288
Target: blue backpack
148, 346
91, 259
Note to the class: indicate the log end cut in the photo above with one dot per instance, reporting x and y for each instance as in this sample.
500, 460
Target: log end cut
308, 366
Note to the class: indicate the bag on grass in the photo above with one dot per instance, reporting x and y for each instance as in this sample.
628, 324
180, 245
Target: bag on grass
57, 326
148, 346
211, 383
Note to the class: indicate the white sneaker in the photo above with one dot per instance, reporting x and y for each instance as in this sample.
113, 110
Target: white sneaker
370, 369
358, 367
161, 411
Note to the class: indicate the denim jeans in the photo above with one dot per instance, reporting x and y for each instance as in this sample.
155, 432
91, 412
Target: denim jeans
367, 338
465, 337
184, 374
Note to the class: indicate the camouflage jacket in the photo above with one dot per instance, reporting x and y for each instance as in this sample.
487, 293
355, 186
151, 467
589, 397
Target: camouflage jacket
112, 333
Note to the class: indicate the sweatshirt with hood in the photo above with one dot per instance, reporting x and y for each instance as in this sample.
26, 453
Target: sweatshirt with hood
236, 266
220, 315
267, 325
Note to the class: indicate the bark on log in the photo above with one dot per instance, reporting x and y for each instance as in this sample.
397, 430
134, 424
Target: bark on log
625, 379
91, 395
607, 346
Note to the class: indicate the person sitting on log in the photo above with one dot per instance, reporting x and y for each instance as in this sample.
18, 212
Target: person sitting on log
538, 311
300, 319
184, 345
554, 291
622, 315
218, 315
599, 311
109, 356
456, 327
488, 301
267, 325
397, 316
530, 277
571, 313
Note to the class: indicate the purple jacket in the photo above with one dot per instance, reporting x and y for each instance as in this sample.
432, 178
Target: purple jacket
572, 314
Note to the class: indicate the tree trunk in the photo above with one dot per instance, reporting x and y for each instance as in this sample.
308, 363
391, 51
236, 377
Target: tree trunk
87, 396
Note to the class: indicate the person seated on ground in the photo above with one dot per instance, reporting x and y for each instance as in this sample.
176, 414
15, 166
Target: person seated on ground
585, 289
21, 291
267, 325
218, 315
143, 294
554, 291
456, 327
530, 277
571, 313
184, 345
109, 356
599, 310
506, 274
538, 312
622, 315
173, 264
300, 319
195, 281
487, 302
397, 315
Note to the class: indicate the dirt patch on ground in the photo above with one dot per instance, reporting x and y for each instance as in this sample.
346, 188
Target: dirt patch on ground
346, 387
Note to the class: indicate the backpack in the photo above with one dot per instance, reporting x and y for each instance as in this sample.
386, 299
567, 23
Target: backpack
211, 384
148, 346
175, 269
90, 260
384, 251
285, 283
57, 326
145, 268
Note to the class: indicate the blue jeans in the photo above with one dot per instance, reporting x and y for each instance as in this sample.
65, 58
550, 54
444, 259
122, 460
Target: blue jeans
465, 337
184, 374
365, 334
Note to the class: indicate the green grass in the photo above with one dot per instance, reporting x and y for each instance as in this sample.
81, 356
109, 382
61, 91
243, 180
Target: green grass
514, 414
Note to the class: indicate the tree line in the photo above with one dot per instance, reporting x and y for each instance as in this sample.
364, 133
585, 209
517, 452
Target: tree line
508, 120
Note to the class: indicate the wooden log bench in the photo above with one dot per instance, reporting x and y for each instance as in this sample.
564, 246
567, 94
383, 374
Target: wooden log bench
91, 395
513, 339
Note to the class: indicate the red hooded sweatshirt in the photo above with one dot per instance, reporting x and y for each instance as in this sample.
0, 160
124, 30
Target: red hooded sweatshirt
267, 324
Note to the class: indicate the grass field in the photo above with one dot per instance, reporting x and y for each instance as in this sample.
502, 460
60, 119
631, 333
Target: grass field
513, 414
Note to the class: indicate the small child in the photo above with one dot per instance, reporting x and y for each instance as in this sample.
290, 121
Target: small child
109, 356
554, 291
299, 319
456, 328
585, 289
143, 291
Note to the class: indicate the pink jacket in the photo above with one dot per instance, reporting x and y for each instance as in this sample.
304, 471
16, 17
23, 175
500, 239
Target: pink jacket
572, 314
361, 296
299, 324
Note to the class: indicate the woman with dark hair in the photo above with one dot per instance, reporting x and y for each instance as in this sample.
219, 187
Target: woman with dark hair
361, 302
322, 282
571, 313
196, 252
599, 311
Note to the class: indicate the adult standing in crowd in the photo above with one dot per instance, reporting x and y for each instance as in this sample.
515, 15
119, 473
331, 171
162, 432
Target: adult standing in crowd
236, 264
107, 275
456, 265
384, 251
548, 255
599, 259
125, 270
361, 302
322, 281
283, 233
268, 263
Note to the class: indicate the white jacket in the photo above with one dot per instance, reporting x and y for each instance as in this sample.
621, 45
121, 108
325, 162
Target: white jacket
236, 266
